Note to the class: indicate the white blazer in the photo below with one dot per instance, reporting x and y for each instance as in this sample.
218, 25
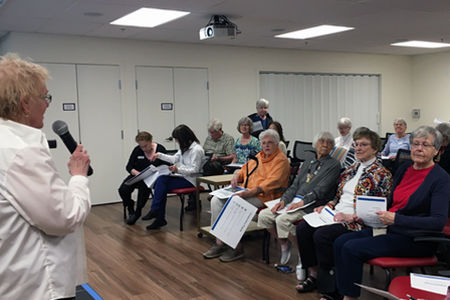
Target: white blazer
42, 253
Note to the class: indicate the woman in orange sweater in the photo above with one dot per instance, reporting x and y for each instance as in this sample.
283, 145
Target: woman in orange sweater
268, 181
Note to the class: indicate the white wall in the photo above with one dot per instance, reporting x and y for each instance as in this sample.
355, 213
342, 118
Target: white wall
233, 71
431, 87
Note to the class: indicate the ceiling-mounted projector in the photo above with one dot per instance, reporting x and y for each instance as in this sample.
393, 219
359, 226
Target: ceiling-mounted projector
219, 26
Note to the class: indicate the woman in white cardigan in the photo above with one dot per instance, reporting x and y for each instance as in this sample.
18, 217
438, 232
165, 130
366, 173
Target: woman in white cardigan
186, 165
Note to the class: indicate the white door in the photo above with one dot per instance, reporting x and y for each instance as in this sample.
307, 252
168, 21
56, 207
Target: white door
101, 128
63, 87
191, 100
183, 88
154, 89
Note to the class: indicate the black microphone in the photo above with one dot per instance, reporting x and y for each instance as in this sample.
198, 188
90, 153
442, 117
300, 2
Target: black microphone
61, 129
253, 157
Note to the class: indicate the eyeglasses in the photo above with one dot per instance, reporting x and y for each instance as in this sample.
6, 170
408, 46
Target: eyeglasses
47, 98
424, 145
362, 145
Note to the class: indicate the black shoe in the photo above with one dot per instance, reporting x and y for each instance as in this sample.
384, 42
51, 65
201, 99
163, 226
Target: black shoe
151, 215
133, 218
157, 224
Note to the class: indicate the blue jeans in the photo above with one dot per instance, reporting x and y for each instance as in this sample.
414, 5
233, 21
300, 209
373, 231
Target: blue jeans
352, 250
163, 185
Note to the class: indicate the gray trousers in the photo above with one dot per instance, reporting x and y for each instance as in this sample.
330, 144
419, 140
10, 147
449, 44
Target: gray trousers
284, 223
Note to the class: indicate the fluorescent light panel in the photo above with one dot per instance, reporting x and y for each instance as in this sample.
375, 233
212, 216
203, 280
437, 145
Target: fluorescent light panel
421, 44
313, 32
149, 17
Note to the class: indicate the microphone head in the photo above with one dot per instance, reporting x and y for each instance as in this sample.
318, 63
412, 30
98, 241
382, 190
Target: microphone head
60, 127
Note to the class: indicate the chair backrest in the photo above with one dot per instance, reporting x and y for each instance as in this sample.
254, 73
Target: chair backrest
287, 143
303, 151
403, 156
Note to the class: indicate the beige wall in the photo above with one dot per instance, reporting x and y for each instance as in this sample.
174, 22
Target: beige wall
431, 87
233, 71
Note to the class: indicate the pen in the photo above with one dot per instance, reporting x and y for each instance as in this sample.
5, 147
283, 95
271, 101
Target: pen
410, 297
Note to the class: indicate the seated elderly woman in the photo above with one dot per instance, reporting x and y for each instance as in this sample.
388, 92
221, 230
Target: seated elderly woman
419, 201
316, 184
366, 177
245, 144
444, 151
399, 140
268, 182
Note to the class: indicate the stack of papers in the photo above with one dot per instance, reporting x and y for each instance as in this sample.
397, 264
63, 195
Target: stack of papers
325, 217
367, 207
226, 192
297, 199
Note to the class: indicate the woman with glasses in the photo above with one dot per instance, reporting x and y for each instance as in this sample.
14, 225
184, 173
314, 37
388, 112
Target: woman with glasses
246, 144
399, 140
366, 177
419, 201
41, 234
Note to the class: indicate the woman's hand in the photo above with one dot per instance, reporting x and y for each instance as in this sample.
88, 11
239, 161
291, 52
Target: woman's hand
277, 207
154, 156
173, 168
235, 181
79, 162
387, 217
319, 209
344, 218
294, 205
134, 172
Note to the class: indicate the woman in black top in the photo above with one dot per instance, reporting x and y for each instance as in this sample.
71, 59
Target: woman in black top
140, 158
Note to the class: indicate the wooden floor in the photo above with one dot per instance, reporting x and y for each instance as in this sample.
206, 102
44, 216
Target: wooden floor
129, 262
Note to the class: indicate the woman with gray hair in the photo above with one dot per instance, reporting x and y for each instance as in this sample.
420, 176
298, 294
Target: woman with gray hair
261, 182
315, 185
344, 139
246, 144
419, 201
399, 140
261, 119
443, 158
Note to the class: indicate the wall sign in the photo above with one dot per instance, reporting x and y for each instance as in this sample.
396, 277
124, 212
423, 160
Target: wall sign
166, 106
68, 106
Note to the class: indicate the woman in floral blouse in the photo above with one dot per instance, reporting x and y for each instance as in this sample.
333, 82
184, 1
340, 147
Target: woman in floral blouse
366, 177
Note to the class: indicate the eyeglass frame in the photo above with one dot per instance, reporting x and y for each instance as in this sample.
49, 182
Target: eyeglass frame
47, 98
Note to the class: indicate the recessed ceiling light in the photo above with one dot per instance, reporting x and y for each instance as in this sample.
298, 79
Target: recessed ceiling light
149, 17
313, 32
421, 44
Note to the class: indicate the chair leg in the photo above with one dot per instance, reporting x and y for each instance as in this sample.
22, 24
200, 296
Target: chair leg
388, 278
371, 270
182, 211
265, 246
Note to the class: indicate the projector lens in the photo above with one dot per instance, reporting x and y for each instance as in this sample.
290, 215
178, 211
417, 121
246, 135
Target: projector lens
209, 32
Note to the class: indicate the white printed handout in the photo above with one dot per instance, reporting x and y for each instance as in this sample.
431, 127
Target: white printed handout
257, 126
434, 284
160, 170
226, 192
325, 217
233, 221
297, 199
366, 208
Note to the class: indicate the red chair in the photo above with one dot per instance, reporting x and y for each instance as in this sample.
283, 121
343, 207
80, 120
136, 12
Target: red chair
181, 193
388, 263
401, 286
409, 262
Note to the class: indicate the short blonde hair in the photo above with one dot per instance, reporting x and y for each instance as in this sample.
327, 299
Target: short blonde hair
18, 79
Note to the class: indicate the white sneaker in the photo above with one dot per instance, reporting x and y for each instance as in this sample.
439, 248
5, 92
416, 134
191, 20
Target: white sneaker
286, 255
300, 272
